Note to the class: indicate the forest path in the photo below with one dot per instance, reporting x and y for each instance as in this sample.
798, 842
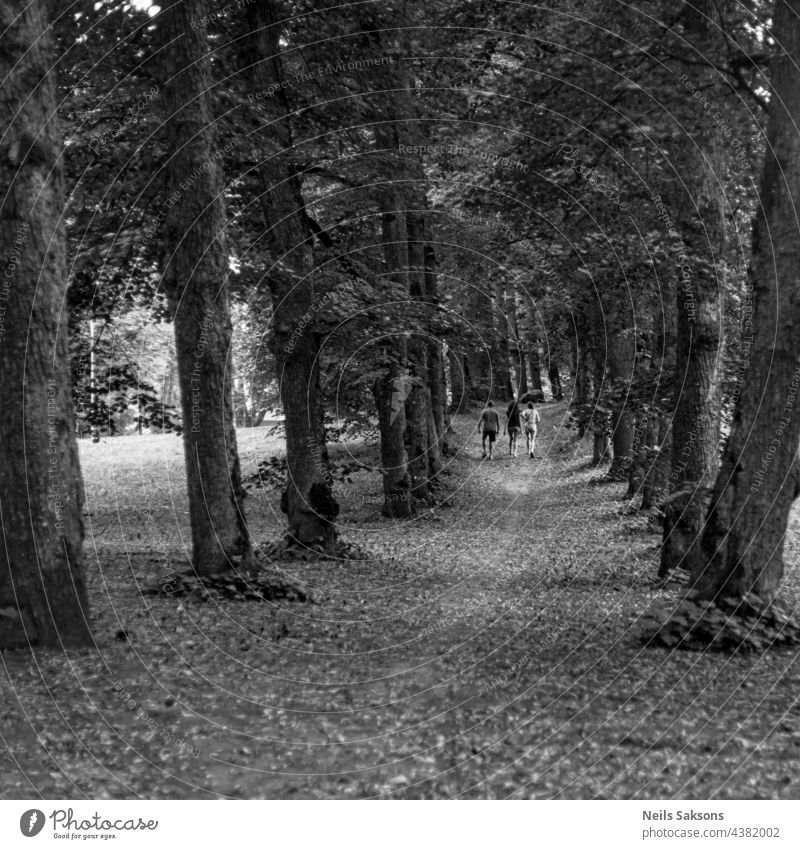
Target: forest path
487, 648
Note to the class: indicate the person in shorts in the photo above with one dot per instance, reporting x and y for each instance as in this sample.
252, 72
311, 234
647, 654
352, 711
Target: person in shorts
512, 426
488, 426
530, 418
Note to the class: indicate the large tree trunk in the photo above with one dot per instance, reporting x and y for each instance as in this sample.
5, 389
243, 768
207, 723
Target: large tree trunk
420, 279
424, 455
404, 209
742, 546
308, 499
195, 279
42, 593
698, 201
392, 391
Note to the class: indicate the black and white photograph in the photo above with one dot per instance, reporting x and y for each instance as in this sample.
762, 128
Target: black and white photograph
400, 402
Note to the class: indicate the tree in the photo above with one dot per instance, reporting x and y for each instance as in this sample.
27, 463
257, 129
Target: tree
42, 593
195, 278
742, 546
696, 197
307, 500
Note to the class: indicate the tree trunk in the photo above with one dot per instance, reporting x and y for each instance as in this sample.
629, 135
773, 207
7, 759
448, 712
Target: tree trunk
477, 357
195, 280
601, 445
517, 346
501, 362
659, 460
308, 500
436, 358
621, 359
390, 404
535, 365
392, 391
554, 376
456, 371
742, 546
584, 396
424, 456
42, 593
699, 202
641, 453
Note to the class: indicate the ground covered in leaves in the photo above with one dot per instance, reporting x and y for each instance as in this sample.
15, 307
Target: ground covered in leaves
488, 648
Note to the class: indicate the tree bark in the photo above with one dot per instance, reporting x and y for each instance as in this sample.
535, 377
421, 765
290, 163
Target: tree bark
641, 452
535, 365
698, 202
517, 346
621, 359
392, 391
478, 358
501, 361
423, 452
436, 368
601, 445
42, 592
742, 545
456, 370
658, 450
389, 402
308, 499
196, 282
554, 376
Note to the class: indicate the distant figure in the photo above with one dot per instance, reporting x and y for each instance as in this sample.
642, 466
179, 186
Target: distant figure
489, 425
530, 416
512, 426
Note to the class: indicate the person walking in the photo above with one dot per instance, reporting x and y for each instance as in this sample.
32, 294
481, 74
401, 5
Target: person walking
512, 426
530, 417
488, 426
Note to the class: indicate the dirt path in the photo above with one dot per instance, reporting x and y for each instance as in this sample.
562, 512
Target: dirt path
487, 649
